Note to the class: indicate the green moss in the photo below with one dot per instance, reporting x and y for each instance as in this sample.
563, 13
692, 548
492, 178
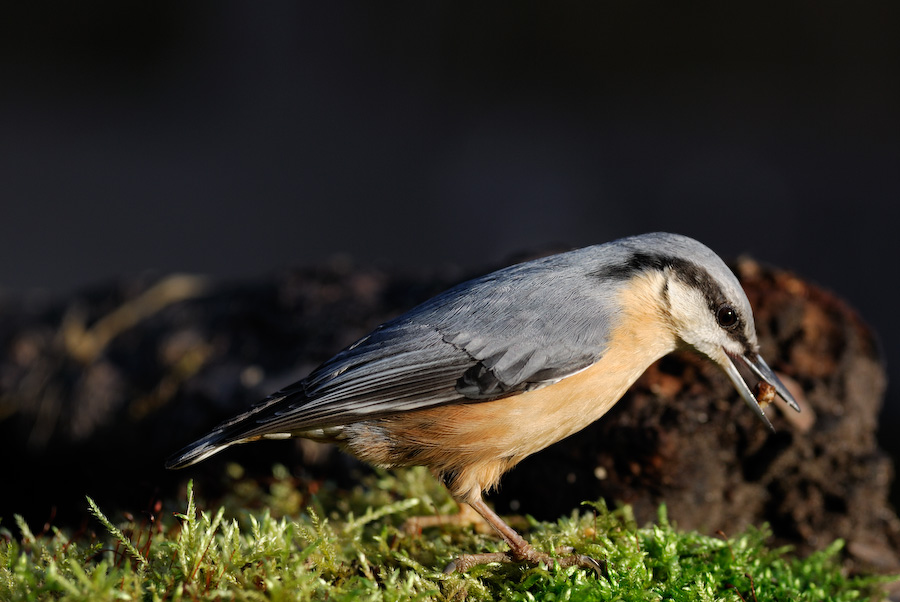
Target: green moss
352, 547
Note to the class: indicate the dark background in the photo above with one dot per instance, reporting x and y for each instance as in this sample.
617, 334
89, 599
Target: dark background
237, 139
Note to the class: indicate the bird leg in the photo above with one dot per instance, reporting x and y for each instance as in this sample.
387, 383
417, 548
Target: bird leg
519, 549
466, 517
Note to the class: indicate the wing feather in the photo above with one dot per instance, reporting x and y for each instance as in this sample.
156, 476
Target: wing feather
485, 339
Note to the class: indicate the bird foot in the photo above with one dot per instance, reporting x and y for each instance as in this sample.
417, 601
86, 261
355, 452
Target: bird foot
529, 555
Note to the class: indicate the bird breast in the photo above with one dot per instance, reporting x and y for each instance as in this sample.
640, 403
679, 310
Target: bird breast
507, 430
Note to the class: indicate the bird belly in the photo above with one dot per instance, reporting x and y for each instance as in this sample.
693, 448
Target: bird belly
472, 444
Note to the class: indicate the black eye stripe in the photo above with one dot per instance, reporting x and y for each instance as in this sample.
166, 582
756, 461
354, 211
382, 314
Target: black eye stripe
687, 272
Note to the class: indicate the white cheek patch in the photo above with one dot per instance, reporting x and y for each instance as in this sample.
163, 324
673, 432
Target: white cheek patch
697, 326
694, 321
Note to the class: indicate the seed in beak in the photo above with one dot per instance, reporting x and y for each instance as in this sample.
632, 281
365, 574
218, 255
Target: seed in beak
764, 393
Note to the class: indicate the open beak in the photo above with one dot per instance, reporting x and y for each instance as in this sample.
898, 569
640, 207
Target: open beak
757, 366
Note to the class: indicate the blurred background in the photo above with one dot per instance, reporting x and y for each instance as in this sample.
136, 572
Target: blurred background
237, 139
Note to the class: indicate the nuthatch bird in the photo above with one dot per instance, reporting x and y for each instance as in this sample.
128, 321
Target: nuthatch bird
495, 369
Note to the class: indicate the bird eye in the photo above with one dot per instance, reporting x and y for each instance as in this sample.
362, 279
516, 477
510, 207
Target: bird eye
726, 316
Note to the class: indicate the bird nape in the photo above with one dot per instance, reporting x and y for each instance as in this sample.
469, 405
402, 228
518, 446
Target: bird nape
474, 380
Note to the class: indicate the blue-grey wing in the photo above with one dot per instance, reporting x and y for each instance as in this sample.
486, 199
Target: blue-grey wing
518, 329
488, 338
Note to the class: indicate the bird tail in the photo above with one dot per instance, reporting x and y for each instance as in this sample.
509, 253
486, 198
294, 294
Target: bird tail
248, 426
199, 450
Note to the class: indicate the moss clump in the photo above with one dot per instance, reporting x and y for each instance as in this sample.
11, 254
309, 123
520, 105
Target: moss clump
352, 547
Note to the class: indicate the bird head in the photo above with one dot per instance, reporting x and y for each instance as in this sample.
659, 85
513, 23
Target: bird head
710, 313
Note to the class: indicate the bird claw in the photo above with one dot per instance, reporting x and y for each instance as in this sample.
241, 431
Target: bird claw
586, 562
464, 562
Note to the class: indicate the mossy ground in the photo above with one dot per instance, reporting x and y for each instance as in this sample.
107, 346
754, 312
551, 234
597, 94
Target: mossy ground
352, 547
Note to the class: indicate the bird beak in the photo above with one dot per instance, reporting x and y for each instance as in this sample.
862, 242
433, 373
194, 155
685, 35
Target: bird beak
757, 366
